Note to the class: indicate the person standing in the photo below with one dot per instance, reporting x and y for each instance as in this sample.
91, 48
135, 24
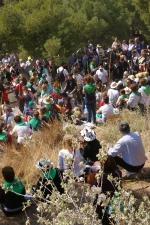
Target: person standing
90, 98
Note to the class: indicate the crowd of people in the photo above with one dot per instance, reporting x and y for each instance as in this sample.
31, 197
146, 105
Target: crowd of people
92, 87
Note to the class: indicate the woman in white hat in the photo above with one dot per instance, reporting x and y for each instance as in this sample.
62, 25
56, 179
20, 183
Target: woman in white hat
90, 146
113, 93
50, 178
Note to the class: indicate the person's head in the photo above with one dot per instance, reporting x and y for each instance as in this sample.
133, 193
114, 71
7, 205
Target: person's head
110, 165
94, 60
143, 82
64, 95
136, 40
143, 53
32, 79
122, 91
2, 126
104, 94
134, 52
75, 72
98, 85
17, 119
44, 87
124, 42
67, 142
76, 65
124, 128
8, 173
62, 64
134, 87
7, 102
45, 82
43, 110
44, 164
116, 63
125, 74
128, 82
70, 77
116, 39
7, 109
25, 88
56, 84
106, 100
36, 114
88, 79
131, 41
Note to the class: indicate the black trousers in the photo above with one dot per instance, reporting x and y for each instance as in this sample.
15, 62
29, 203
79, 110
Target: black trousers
126, 166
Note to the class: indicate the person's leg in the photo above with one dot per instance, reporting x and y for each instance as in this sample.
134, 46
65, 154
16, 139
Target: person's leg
126, 166
93, 108
21, 105
88, 112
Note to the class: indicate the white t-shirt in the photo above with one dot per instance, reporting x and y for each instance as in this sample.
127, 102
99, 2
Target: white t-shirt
10, 120
76, 155
106, 110
21, 131
79, 79
102, 75
65, 72
113, 95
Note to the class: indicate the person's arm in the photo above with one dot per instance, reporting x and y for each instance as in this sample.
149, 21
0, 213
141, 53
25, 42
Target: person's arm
60, 162
116, 150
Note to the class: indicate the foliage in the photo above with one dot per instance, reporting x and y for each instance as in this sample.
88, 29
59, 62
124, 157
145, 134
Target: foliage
43, 27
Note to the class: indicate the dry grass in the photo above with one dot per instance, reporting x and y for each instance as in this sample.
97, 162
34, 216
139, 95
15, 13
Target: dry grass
109, 131
46, 143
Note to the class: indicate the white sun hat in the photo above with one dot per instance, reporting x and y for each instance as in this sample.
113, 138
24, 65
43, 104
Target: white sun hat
44, 163
88, 134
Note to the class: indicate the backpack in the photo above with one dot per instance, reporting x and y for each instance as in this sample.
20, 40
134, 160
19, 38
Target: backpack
60, 77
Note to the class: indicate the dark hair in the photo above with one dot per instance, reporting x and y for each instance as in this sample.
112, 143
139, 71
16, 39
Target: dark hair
133, 87
7, 102
8, 173
75, 71
124, 127
36, 114
110, 165
62, 64
122, 91
17, 119
106, 99
45, 82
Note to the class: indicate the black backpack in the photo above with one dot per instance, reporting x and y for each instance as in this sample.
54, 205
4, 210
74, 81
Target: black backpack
60, 77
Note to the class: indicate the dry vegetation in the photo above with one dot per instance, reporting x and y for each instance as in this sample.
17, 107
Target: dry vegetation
47, 143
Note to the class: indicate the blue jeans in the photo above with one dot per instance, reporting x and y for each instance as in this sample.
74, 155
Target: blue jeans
91, 111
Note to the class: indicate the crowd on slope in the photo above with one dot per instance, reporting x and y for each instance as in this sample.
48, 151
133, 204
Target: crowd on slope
92, 87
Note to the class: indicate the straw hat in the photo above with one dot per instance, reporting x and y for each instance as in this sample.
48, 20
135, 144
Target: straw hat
48, 101
131, 77
113, 85
127, 90
98, 46
141, 75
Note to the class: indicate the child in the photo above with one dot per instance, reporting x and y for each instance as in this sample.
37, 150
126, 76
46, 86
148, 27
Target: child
120, 102
35, 122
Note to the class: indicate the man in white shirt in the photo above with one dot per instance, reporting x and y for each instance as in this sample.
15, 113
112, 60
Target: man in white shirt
65, 72
102, 75
106, 110
131, 148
